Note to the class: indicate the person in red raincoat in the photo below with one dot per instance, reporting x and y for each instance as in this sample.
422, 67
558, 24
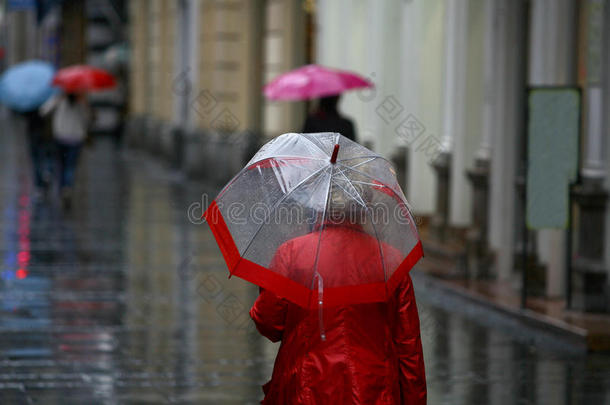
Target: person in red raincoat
371, 353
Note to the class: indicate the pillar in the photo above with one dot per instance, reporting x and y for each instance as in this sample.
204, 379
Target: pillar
228, 98
552, 57
422, 95
186, 78
606, 129
20, 31
138, 10
590, 277
454, 65
479, 114
284, 50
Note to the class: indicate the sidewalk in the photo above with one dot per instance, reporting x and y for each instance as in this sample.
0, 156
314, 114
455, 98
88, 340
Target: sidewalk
589, 330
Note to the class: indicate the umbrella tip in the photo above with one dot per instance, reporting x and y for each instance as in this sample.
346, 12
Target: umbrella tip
333, 158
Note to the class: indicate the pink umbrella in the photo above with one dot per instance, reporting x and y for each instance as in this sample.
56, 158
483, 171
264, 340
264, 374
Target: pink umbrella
313, 81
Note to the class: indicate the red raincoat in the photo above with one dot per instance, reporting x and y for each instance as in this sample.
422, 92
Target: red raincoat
372, 353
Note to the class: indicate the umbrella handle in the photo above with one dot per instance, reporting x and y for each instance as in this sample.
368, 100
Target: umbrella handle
321, 306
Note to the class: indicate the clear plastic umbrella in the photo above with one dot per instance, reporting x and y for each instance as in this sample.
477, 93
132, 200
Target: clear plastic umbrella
317, 219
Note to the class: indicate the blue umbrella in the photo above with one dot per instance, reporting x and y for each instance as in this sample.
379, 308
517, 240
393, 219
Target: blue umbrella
24, 87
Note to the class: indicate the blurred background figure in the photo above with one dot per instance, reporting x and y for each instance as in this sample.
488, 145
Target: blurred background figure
40, 149
318, 82
23, 88
327, 118
71, 117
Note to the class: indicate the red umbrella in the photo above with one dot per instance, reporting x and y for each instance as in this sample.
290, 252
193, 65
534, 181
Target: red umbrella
313, 81
80, 78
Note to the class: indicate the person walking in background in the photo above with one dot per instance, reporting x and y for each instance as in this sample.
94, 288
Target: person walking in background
327, 118
325, 84
71, 116
39, 148
24, 87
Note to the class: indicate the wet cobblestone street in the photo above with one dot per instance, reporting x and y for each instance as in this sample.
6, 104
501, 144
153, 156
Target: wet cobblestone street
124, 300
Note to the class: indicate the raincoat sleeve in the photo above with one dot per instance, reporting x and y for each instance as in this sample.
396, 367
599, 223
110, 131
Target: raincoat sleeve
269, 315
269, 310
408, 346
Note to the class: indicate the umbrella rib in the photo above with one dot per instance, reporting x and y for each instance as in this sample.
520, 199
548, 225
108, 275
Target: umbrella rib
380, 185
358, 171
322, 227
314, 144
361, 163
351, 167
277, 204
360, 157
384, 186
362, 173
357, 196
369, 184
373, 157
284, 157
226, 187
315, 265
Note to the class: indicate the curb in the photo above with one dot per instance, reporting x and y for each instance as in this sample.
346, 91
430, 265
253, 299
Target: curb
554, 329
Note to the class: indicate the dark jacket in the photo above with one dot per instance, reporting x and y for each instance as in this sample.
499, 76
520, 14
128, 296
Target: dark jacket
322, 121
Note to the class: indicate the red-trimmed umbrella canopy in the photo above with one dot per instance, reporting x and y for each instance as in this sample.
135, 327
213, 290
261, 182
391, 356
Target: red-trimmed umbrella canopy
83, 78
317, 219
313, 81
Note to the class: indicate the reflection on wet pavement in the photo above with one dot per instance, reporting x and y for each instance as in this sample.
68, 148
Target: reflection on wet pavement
124, 300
